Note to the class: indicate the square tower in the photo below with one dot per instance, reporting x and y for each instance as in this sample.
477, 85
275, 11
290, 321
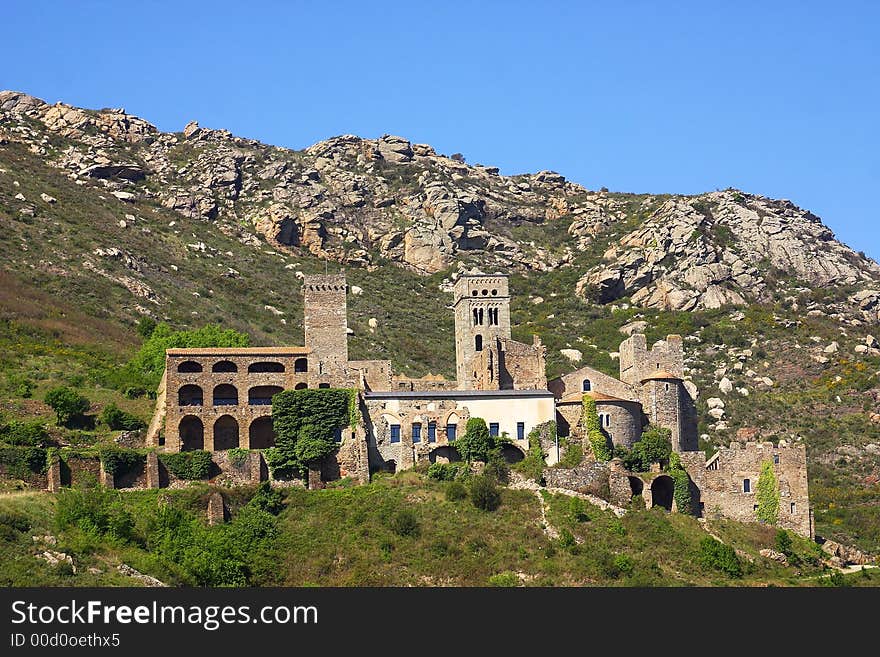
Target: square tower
324, 322
482, 317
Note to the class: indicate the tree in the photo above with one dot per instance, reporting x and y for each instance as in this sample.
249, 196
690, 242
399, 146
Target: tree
476, 444
66, 403
767, 494
655, 446
146, 326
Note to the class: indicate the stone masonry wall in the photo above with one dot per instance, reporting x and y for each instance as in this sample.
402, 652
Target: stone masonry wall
324, 321
721, 483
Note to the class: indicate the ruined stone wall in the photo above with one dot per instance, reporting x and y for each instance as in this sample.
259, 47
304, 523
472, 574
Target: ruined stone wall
376, 374
427, 382
324, 321
721, 483
591, 478
637, 361
573, 382
486, 368
522, 366
405, 413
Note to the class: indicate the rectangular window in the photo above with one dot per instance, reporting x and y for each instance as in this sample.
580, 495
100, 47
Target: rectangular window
450, 432
493, 428
747, 486
607, 420
395, 433
432, 432
520, 430
337, 435
792, 508
776, 458
417, 432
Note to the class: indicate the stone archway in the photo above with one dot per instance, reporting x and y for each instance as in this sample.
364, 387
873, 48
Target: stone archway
662, 492
512, 453
225, 432
444, 454
192, 433
636, 485
261, 434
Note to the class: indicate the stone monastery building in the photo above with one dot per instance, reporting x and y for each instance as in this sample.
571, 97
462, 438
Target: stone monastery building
217, 399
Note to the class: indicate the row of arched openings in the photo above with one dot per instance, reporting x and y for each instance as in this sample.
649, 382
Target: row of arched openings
300, 365
191, 430
227, 395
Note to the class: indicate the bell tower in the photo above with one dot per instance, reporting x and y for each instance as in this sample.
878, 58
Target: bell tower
482, 317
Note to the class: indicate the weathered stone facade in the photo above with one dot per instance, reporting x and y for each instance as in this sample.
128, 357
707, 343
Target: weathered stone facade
728, 482
325, 322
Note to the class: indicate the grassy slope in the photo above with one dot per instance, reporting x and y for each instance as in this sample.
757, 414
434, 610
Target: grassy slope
61, 323
344, 537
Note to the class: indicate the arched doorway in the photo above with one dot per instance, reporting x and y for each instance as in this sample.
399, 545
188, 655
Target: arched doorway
444, 454
512, 453
225, 432
261, 434
192, 433
636, 485
662, 492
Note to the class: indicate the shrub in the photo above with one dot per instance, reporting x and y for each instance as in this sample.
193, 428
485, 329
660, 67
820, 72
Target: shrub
484, 493
23, 462
24, 434
532, 466
268, 499
120, 461
191, 465
784, 543
146, 326
15, 520
506, 579
577, 510
238, 456
448, 471
498, 469
476, 443
623, 564
567, 540
455, 491
767, 495
66, 403
117, 419
405, 523
96, 510
655, 446
719, 556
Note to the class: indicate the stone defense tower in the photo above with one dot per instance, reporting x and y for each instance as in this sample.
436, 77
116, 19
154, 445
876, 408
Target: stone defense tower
325, 324
482, 316
656, 375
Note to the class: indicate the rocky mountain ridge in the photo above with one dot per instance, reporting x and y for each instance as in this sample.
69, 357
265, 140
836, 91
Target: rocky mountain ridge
364, 202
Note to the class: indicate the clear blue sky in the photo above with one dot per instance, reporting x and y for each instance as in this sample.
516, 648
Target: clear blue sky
776, 98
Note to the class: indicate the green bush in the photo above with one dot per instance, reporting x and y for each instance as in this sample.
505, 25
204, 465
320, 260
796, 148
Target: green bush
455, 491
719, 556
405, 523
448, 471
505, 579
567, 540
577, 510
624, 564
238, 456
655, 446
96, 510
268, 499
532, 466
191, 465
117, 419
784, 543
476, 444
498, 469
23, 462
119, 461
15, 520
24, 434
67, 404
484, 493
